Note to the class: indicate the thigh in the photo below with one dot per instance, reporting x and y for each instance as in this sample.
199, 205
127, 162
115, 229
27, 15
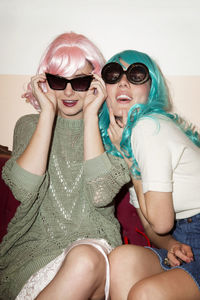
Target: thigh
168, 285
136, 260
130, 264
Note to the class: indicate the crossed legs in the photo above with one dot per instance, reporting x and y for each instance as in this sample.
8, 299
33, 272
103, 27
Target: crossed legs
82, 276
136, 274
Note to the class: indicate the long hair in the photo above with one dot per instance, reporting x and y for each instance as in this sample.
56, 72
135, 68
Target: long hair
158, 102
64, 56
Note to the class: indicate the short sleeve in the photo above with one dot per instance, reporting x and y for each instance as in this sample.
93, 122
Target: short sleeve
150, 145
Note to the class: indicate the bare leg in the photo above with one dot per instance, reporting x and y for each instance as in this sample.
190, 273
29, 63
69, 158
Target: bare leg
82, 276
136, 274
129, 264
171, 285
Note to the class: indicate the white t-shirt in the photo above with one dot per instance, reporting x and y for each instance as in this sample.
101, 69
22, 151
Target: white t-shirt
169, 162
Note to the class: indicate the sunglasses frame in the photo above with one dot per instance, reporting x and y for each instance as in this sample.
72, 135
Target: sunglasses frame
72, 81
127, 72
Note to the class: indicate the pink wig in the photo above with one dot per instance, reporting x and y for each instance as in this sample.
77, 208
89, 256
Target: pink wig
64, 56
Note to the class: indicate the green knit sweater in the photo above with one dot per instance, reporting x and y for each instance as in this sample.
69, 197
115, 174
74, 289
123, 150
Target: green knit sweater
72, 200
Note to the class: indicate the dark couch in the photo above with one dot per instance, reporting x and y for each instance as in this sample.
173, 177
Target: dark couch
131, 227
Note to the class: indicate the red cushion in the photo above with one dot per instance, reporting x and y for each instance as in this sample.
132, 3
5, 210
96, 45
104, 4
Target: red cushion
8, 203
132, 229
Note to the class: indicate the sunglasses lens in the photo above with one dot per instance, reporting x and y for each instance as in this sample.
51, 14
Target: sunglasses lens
111, 73
138, 73
56, 82
81, 84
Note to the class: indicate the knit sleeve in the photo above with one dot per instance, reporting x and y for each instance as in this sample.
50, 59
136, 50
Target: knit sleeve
105, 175
24, 185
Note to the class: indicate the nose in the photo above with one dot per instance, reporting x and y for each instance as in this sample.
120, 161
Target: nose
68, 90
124, 81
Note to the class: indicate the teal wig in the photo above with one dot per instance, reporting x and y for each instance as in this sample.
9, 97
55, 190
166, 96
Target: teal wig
158, 103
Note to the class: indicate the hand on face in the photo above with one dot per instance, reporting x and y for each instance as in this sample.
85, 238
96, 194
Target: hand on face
116, 127
47, 100
95, 96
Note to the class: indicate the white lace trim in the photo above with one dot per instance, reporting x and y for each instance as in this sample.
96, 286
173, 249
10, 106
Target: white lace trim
38, 281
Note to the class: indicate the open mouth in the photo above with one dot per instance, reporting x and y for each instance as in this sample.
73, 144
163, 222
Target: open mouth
70, 103
123, 98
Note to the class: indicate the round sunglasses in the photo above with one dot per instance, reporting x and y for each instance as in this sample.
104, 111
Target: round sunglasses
136, 73
79, 84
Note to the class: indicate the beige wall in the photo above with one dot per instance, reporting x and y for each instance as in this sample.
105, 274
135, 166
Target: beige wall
167, 30
12, 106
185, 92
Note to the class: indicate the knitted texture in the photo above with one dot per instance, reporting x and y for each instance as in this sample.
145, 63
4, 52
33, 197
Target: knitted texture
72, 200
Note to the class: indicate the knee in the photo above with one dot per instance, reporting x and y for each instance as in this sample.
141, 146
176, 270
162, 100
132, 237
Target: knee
138, 292
124, 257
117, 259
85, 260
144, 290
124, 266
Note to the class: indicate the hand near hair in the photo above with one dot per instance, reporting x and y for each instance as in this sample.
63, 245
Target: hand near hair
95, 97
34, 158
115, 131
45, 99
179, 253
116, 127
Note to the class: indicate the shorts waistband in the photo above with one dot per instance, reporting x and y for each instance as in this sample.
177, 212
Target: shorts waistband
189, 219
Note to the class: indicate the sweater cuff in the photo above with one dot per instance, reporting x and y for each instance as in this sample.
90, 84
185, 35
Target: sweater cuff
27, 180
97, 166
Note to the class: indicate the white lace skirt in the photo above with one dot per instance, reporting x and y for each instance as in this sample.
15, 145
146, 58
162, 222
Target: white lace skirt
38, 281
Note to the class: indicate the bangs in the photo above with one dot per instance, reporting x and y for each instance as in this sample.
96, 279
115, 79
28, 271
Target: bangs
131, 57
65, 61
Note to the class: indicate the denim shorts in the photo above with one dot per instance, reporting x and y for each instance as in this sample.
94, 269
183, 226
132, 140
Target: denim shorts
186, 231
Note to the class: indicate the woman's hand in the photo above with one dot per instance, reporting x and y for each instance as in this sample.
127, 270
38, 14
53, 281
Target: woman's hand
116, 127
178, 253
115, 131
95, 97
34, 158
47, 100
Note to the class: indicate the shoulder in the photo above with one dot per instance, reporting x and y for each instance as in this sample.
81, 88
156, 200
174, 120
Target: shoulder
28, 119
155, 131
154, 125
153, 122
25, 126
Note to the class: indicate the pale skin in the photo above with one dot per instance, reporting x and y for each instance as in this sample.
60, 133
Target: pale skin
83, 273
135, 271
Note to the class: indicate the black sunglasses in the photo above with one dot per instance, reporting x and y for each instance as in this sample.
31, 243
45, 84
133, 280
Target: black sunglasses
136, 73
80, 84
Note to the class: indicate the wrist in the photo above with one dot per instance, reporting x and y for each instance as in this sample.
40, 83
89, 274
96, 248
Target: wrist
48, 113
47, 118
172, 243
90, 118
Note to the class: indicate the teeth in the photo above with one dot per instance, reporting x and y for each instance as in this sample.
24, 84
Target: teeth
69, 101
124, 97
